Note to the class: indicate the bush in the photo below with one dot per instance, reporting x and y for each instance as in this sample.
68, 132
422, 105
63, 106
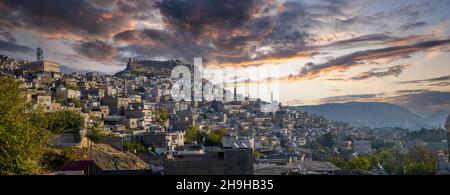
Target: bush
132, 146
95, 134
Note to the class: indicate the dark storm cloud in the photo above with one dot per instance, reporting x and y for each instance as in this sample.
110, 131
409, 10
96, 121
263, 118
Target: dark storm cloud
431, 80
361, 57
150, 43
381, 72
96, 50
7, 35
205, 16
13, 48
223, 31
56, 18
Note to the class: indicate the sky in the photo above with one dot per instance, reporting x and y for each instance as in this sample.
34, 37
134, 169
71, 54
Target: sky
314, 51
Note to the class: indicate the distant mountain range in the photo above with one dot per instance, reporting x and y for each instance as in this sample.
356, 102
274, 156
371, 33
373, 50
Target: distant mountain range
374, 114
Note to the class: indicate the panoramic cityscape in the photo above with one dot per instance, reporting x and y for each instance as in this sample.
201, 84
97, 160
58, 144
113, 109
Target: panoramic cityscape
221, 87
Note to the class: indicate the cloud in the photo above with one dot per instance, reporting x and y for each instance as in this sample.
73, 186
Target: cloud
13, 48
7, 35
371, 38
234, 33
431, 80
360, 57
422, 101
64, 18
348, 98
96, 50
441, 84
227, 33
411, 26
381, 72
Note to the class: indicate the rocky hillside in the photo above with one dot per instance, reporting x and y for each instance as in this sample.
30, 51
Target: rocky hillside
151, 68
109, 158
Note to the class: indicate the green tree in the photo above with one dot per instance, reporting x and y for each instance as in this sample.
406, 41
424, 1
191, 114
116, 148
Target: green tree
326, 140
133, 146
65, 121
215, 138
339, 162
420, 160
22, 136
360, 163
161, 116
76, 102
95, 134
193, 134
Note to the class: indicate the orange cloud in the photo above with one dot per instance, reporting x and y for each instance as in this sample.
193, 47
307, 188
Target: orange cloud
301, 55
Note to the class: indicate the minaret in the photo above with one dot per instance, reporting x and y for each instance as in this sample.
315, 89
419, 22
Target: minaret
235, 90
247, 88
271, 97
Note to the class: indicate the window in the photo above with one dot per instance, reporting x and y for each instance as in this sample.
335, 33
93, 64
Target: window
221, 156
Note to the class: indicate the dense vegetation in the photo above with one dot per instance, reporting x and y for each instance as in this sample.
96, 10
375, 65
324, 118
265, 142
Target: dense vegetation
134, 147
22, 138
428, 135
64, 122
95, 133
161, 116
417, 161
214, 138
25, 131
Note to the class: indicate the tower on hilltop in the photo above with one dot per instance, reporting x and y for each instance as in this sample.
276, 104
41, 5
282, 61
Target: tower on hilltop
39, 54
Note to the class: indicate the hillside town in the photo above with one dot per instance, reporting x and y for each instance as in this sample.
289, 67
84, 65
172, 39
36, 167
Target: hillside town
134, 113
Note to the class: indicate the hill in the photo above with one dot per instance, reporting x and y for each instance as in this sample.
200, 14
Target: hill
370, 114
438, 118
151, 68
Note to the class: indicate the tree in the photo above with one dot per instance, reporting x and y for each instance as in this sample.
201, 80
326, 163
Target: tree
65, 121
326, 140
338, 161
161, 116
76, 102
22, 136
360, 163
215, 138
193, 134
420, 160
95, 134
132, 146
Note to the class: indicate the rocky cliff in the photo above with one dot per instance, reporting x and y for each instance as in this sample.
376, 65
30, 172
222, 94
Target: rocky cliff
109, 158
